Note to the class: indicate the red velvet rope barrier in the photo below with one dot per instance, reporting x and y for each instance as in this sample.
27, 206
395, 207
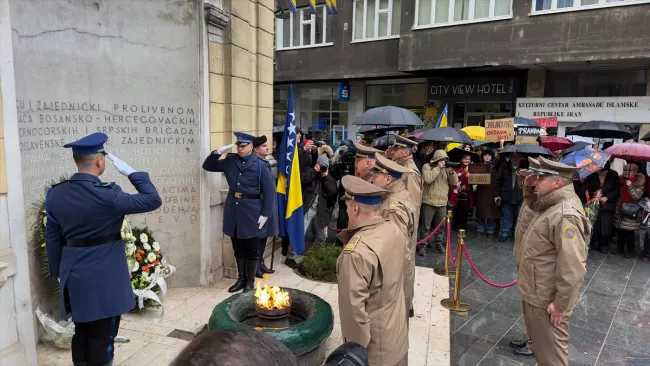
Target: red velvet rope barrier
471, 263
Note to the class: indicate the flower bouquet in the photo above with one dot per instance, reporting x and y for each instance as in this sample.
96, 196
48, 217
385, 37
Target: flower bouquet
593, 206
148, 266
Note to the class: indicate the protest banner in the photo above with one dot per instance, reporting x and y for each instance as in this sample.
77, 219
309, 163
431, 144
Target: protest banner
479, 173
499, 129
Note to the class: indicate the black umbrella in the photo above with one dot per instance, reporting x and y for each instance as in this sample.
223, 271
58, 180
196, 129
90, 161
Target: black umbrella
373, 128
456, 155
528, 149
389, 116
382, 143
446, 134
602, 130
578, 145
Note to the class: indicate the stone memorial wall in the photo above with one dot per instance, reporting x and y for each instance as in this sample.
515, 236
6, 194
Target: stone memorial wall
126, 68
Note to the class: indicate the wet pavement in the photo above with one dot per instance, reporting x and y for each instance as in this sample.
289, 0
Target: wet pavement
610, 326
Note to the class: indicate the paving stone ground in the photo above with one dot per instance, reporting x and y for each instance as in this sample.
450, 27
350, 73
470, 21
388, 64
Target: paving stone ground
188, 309
610, 326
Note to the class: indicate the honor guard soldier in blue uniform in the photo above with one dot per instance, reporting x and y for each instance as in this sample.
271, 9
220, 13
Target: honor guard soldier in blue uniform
249, 204
85, 249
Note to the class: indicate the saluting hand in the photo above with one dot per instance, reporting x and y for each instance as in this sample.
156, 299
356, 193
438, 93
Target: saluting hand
223, 149
122, 167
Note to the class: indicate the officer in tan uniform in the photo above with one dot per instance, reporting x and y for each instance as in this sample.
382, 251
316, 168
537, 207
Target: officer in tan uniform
402, 153
364, 161
552, 260
526, 215
399, 209
370, 280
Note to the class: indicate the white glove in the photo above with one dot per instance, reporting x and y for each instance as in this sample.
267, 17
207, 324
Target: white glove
121, 166
58, 279
223, 149
261, 221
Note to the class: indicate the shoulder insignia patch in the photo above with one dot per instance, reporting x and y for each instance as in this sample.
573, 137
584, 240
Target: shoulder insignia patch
567, 209
392, 204
104, 184
570, 233
349, 247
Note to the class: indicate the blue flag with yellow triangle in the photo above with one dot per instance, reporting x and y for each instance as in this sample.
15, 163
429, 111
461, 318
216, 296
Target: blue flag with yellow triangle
442, 119
292, 5
289, 189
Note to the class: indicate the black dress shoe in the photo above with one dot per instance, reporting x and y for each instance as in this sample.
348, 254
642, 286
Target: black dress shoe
265, 269
421, 250
291, 263
523, 351
438, 248
518, 344
411, 313
502, 239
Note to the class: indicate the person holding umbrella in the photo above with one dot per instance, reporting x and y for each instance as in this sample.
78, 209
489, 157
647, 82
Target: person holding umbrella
461, 195
628, 211
508, 193
486, 209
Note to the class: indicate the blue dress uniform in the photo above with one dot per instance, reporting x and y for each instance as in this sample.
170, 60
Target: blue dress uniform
250, 202
272, 225
85, 249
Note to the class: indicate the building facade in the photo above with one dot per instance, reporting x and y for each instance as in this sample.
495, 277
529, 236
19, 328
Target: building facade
482, 58
168, 81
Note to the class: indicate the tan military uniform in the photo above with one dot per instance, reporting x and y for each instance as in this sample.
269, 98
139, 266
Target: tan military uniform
413, 184
552, 263
365, 152
398, 207
371, 291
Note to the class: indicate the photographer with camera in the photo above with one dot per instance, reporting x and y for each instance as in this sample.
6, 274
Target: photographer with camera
437, 181
319, 202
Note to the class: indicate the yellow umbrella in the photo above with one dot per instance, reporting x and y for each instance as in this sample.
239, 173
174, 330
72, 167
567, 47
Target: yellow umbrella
475, 132
452, 145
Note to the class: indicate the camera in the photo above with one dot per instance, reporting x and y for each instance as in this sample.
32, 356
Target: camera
318, 143
323, 169
348, 354
452, 164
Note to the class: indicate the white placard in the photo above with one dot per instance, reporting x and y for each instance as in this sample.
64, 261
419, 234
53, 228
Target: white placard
621, 109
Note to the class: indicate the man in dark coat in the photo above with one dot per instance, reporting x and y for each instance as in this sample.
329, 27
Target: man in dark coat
249, 204
509, 194
86, 251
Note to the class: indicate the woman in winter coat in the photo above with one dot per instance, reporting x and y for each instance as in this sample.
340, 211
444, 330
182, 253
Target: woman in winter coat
461, 195
608, 183
633, 186
486, 209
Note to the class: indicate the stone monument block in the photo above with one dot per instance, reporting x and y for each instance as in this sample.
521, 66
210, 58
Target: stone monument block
265, 69
239, 34
217, 88
84, 67
265, 95
266, 18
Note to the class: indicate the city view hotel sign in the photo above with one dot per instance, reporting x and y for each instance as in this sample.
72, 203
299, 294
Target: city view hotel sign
613, 109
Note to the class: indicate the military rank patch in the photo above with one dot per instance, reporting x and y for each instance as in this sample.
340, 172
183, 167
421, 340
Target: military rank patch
570, 233
567, 210
349, 247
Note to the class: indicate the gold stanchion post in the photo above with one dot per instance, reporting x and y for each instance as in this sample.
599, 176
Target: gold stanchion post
446, 271
456, 304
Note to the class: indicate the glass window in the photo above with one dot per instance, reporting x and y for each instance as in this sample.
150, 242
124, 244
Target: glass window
381, 19
316, 29
569, 5
436, 12
461, 10
320, 110
602, 83
400, 95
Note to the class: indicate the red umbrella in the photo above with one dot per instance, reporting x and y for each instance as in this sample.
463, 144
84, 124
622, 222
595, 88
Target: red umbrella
631, 151
554, 143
